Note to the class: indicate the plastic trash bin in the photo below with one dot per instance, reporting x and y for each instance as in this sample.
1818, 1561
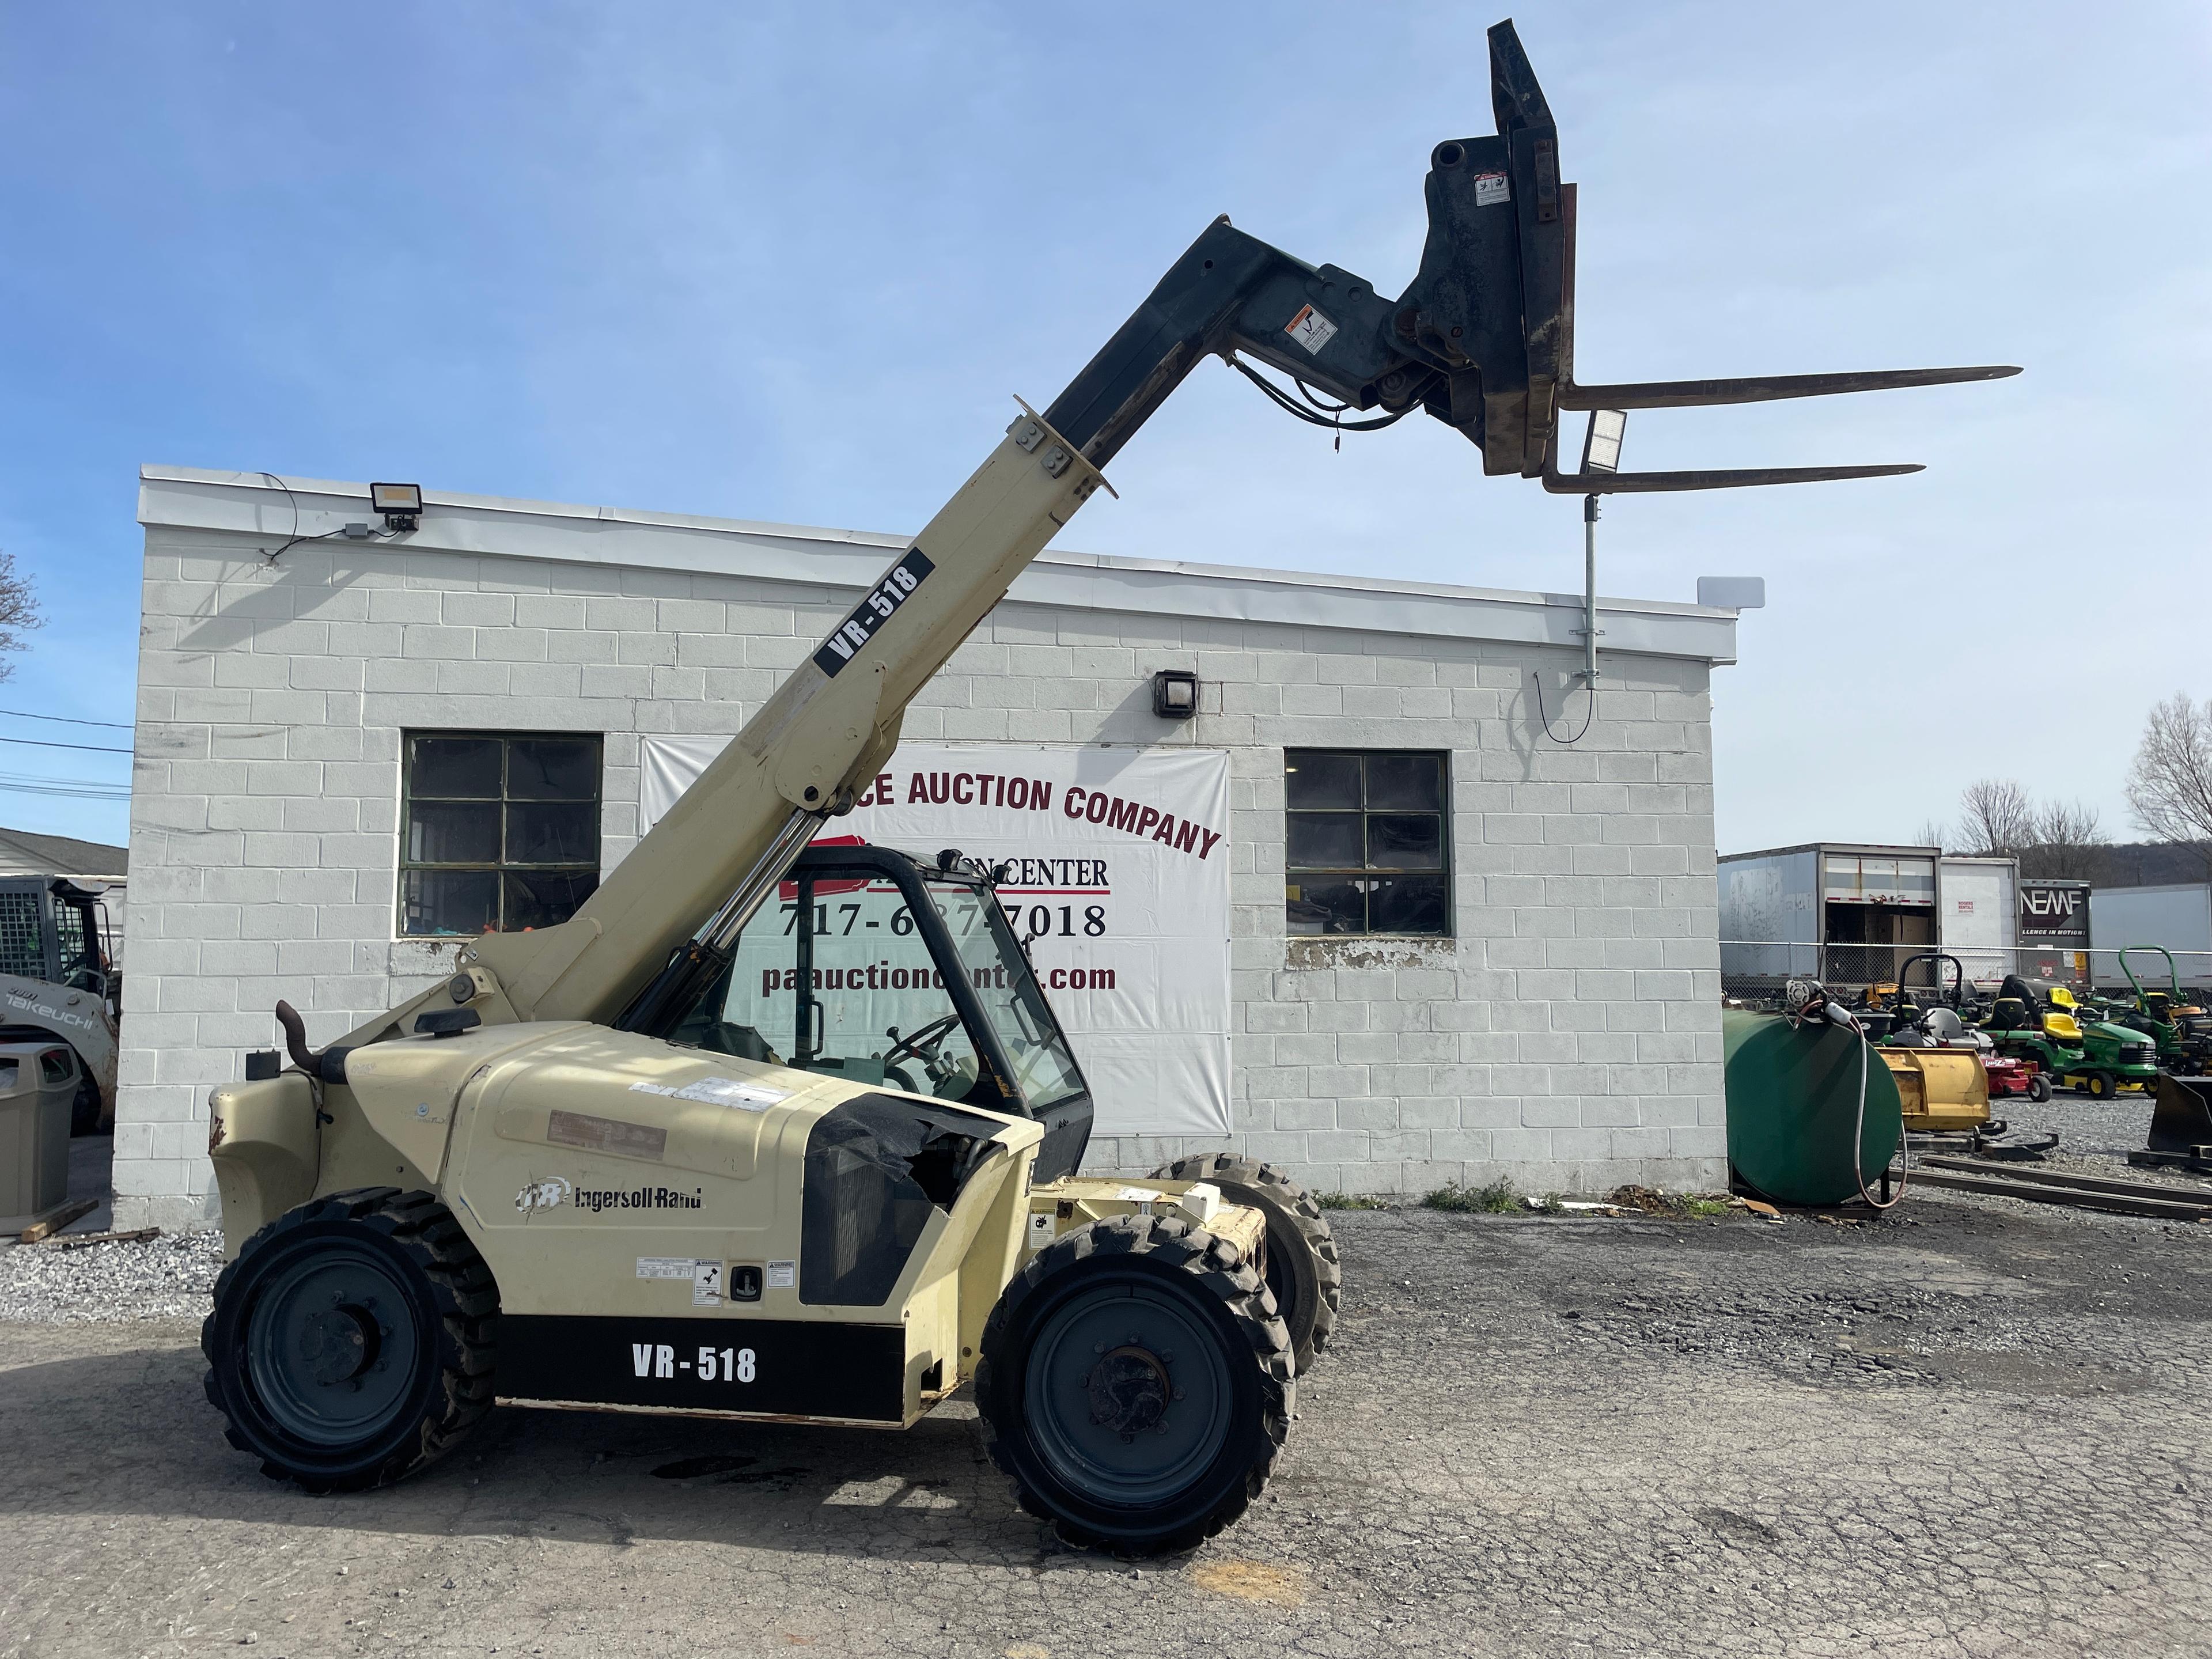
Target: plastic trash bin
38, 1081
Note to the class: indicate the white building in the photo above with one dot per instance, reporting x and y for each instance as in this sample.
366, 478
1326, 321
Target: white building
1539, 996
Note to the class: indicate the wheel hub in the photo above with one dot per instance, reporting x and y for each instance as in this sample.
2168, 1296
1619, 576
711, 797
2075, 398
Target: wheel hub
1130, 1390
337, 1343
334, 1350
1130, 1387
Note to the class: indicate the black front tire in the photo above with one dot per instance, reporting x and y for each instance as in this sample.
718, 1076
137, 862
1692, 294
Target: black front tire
1159, 1440
1303, 1267
2038, 1089
353, 1340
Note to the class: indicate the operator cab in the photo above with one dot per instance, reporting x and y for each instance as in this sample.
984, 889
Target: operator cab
82, 935
53, 930
901, 973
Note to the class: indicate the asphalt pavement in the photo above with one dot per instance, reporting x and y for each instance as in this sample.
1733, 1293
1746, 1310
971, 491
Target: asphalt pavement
1969, 1429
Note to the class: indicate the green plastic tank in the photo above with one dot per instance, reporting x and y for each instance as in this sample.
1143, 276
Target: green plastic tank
1793, 1094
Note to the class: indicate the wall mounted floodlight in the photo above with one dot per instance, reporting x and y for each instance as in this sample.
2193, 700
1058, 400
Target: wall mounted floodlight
400, 504
1175, 694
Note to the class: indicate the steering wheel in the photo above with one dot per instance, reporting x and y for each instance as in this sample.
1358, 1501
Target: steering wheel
923, 1043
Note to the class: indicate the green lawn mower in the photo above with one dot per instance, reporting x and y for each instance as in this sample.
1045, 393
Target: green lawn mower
2181, 1028
2095, 1057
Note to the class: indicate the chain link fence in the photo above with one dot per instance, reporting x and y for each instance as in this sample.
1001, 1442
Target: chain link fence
1753, 973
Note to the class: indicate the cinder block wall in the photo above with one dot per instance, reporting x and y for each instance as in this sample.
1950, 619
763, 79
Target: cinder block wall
1568, 1036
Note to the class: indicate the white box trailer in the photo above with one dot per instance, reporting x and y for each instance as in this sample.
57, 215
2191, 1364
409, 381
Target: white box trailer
2179, 917
1976, 914
1850, 913
1845, 912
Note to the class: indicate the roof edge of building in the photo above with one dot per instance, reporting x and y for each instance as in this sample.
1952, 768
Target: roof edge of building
260, 504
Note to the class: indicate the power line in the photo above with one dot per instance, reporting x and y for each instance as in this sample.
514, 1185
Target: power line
48, 743
73, 783
63, 720
20, 787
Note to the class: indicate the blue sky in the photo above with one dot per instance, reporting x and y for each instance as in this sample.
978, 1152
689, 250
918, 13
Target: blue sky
789, 262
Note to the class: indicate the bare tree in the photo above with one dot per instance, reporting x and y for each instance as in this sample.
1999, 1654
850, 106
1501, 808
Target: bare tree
2170, 784
19, 611
2065, 841
1996, 819
1932, 834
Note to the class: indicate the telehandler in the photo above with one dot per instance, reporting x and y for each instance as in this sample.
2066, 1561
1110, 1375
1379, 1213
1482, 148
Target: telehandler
687, 1152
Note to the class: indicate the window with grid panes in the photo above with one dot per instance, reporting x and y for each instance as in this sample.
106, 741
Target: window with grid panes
23, 950
1368, 836
499, 830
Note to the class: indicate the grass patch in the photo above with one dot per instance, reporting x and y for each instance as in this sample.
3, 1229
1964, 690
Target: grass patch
1496, 1198
1698, 1206
1349, 1201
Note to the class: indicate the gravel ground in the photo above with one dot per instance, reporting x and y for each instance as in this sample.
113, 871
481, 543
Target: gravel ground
164, 1277
2085, 1128
2095, 1138
1959, 1431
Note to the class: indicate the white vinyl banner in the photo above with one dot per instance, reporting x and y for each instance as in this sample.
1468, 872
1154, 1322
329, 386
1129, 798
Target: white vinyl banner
1119, 883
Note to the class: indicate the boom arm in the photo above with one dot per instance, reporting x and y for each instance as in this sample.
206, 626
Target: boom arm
1482, 340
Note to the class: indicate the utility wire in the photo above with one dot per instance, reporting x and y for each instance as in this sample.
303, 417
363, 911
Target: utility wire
296, 537
48, 743
18, 784
74, 783
1564, 743
65, 720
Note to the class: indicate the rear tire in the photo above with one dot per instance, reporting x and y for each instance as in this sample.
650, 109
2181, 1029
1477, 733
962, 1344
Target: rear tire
1134, 1386
352, 1341
2100, 1085
1303, 1267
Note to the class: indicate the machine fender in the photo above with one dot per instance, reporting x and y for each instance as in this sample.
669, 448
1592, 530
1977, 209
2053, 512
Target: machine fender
265, 1141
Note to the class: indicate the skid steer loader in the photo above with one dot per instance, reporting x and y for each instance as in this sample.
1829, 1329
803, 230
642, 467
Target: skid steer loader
687, 1153
57, 980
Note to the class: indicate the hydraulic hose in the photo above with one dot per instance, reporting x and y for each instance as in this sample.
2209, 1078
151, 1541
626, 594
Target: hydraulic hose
1838, 1015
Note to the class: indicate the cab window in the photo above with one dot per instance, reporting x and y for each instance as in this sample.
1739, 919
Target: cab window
873, 1006
998, 967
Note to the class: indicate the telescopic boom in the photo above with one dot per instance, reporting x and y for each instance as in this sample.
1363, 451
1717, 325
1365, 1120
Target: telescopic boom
1482, 340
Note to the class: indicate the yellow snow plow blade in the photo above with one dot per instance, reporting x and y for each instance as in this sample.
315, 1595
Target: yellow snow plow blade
1939, 1089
